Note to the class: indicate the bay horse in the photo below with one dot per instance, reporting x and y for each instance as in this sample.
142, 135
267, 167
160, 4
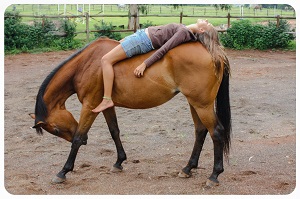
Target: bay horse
188, 69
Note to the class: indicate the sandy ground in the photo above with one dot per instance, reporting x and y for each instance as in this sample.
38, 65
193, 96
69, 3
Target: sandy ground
158, 141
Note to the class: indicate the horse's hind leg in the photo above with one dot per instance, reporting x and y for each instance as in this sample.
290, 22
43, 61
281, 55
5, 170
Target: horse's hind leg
111, 120
216, 130
200, 135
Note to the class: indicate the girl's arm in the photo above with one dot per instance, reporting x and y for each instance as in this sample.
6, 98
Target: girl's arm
178, 38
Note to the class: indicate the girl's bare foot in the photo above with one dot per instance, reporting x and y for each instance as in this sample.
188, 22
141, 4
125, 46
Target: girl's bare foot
106, 103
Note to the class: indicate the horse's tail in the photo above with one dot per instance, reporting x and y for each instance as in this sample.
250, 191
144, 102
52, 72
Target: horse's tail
223, 107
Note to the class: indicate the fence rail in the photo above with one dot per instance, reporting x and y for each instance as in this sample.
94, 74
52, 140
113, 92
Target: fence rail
191, 9
87, 16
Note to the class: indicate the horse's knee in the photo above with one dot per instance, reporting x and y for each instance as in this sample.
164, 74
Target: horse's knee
79, 140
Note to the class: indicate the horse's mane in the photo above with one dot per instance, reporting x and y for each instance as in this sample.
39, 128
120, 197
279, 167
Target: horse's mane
40, 107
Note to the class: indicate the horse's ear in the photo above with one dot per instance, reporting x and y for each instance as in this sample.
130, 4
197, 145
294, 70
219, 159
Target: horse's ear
32, 115
38, 125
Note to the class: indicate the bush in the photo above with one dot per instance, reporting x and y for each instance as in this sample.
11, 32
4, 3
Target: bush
147, 24
68, 42
106, 31
243, 34
23, 37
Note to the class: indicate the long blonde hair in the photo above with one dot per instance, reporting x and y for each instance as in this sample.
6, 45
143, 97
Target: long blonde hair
210, 39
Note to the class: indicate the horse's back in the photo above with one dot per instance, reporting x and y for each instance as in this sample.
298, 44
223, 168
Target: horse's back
184, 68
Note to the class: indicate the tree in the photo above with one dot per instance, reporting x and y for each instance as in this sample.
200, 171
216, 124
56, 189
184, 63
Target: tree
223, 6
133, 10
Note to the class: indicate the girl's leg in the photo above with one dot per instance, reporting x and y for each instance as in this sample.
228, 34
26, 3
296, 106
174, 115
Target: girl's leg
108, 60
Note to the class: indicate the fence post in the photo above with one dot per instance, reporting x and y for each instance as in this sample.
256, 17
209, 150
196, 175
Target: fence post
228, 20
134, 23
278, 19
87, 27
43, 22
181, 15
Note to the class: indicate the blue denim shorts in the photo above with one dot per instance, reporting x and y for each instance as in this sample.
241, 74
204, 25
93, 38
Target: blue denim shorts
137, 43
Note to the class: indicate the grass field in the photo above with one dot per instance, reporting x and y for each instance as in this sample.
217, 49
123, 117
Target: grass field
209, 12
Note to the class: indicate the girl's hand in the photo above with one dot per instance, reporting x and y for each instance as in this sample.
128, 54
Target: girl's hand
139, 71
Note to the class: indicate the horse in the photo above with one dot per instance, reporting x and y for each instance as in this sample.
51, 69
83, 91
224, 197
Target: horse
188, 69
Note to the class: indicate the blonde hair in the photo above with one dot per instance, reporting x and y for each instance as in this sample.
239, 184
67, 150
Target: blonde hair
210, 40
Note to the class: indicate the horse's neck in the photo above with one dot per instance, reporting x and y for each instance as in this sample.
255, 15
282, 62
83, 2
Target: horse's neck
60, 87
78, 72
75, 73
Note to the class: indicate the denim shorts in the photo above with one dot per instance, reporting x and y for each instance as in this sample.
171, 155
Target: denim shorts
137, 43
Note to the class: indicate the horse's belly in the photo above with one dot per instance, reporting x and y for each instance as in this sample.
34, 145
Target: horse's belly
142, 93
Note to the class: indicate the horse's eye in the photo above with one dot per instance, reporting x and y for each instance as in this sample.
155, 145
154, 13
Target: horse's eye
56, 130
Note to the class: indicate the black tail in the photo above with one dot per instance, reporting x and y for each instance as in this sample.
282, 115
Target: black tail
223, 107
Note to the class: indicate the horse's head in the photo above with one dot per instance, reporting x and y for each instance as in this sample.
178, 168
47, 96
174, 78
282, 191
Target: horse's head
50, 111
60, 123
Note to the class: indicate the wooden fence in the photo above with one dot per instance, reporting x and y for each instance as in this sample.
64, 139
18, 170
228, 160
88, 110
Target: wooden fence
87, 16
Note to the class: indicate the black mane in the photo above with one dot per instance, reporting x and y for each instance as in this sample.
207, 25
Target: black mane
41, 111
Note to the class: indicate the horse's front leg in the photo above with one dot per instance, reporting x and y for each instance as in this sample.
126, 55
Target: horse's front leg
80, 137
111, 120
78, 140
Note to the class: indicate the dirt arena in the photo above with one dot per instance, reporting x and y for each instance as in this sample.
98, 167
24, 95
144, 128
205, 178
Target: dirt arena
158, 141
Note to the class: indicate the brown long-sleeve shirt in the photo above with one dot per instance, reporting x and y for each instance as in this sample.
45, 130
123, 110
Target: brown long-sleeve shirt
166, 37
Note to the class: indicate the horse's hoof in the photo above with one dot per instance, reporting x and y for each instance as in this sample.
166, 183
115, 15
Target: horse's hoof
181, 174
115, 169
58, 180
211, 184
